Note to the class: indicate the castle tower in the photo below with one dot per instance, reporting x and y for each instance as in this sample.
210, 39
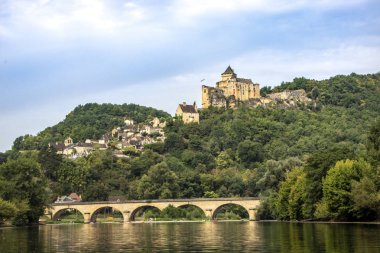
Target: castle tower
205, 96
228, 74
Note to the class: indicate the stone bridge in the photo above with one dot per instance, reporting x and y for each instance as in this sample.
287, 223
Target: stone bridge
210, 206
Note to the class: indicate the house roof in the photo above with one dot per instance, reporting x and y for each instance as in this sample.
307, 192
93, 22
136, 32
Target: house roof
74, 196
58, 146
229, 70
188, 108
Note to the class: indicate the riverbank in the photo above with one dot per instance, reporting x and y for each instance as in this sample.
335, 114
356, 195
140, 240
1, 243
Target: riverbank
9, 225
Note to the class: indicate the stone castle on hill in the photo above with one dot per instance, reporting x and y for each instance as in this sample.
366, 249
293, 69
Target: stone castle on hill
229, 91
232, 91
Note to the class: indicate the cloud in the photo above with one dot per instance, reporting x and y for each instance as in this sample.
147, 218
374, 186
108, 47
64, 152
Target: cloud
71, 17
185, 9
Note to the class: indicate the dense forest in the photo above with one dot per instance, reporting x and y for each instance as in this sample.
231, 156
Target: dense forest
319, 161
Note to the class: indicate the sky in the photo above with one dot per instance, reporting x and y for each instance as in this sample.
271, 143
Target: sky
55, 55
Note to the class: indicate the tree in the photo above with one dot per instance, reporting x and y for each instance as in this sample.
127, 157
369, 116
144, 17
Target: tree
338, 185
171, 212
174, 142
373, 142
96, 191
250, 152
70, 176
317, 167
291, 196
26, 182
7, 210
50, 161
366, 198
315, 93
3, 157
224, 160
159, 182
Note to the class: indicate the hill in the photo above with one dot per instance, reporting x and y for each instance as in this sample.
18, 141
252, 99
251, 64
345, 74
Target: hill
296, 157
89, 121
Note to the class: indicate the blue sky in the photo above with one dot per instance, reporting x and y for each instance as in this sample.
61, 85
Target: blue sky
55, 55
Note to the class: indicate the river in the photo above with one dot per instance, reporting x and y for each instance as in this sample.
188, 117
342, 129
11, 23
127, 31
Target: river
193, 237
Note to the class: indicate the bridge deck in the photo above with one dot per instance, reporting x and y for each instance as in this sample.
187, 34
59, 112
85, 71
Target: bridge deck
156, 201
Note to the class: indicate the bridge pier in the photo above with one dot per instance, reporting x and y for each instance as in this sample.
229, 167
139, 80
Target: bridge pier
127, 216
87, 218
208, 213
252, 212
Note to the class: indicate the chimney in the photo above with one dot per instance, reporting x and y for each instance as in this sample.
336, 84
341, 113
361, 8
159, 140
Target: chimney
184, 103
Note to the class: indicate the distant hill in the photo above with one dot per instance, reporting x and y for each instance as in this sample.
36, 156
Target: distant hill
89, 121
359, 91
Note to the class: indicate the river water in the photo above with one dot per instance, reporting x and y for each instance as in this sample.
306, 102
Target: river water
193, 237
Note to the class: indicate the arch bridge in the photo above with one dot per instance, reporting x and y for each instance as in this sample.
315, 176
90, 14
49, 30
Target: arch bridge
210, 206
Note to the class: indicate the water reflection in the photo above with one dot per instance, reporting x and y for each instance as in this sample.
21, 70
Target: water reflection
193, 237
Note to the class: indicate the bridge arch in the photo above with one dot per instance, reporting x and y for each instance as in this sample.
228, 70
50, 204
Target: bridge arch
104, 208
132, 215
219, 208
58, 214
201, 213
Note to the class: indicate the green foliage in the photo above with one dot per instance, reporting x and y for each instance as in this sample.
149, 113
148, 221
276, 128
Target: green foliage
232, 212
250, 152
25, 183
89, 121
50, 161
71, 177
265, 90
359, 91
171, 212
373, 142
7, 210
210, 194
348, 192
288, 202
159, 182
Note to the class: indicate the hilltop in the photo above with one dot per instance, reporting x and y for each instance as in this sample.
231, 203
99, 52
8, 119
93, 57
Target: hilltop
89, 121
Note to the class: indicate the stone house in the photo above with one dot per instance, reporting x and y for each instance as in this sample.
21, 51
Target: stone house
188, 113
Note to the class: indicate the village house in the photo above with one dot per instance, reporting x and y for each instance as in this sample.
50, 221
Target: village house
188, 113
131, 135
72, 197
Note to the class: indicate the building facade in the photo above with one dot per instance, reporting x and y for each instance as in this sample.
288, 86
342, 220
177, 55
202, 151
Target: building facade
188, 113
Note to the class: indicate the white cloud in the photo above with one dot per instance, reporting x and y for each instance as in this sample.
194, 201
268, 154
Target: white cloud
62, 18
185, 9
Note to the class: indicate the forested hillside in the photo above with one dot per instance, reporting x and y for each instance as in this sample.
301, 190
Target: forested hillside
89, 121
317, 161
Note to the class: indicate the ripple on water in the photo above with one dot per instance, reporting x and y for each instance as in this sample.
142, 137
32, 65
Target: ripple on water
193, 237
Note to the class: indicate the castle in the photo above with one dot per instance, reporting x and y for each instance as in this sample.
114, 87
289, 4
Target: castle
229, 91
232, 91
